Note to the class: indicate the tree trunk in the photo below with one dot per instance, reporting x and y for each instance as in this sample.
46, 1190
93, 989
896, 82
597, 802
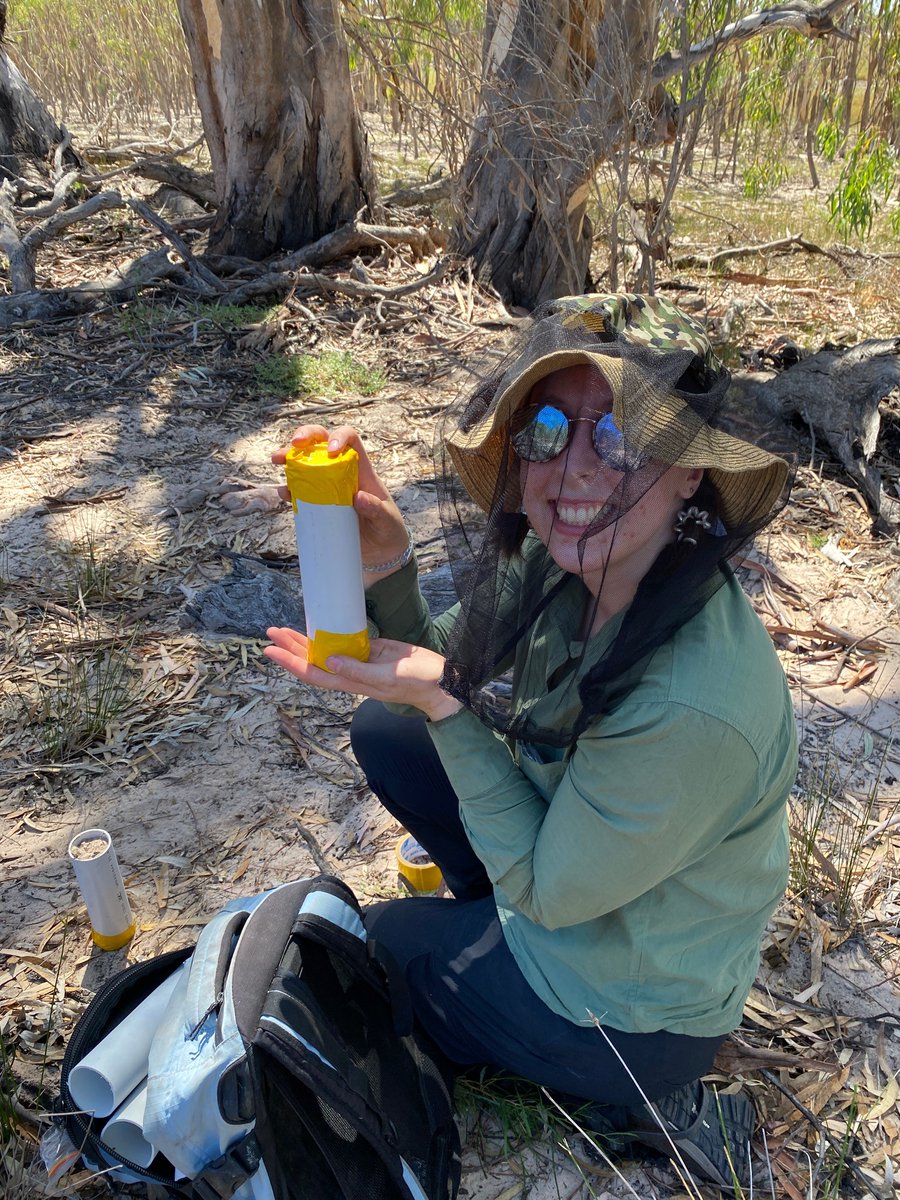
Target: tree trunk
289, 152
27, 131
561, 79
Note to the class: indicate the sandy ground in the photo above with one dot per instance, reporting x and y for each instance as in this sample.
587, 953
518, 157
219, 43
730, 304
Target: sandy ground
205, 793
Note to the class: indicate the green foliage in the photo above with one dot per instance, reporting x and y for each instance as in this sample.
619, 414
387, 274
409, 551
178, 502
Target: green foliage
512, 1114
763, 177
829, 138
866, 181
144, 317
332, 373
82, 695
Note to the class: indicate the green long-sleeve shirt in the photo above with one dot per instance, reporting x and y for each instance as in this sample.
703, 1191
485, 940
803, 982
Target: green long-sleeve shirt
633, 879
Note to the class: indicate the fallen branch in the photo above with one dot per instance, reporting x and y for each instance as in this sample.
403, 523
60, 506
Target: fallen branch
208, 284
792, 242
198, 186
349, 239
58, 199
59, 304
423, 193
55, 224
307, 283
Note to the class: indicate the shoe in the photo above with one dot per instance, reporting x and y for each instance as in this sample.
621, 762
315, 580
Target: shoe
711, 1131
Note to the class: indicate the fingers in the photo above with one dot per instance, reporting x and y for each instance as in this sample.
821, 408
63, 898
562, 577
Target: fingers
305, 435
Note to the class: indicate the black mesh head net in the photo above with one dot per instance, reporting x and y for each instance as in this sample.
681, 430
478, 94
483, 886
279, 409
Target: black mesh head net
596, 484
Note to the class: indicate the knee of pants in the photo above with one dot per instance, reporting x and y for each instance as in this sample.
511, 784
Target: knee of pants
378, 736
366, 731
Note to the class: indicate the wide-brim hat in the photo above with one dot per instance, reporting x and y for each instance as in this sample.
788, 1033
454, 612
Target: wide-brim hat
655, 416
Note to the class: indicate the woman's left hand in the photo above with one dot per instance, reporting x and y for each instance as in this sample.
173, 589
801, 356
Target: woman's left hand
396, 672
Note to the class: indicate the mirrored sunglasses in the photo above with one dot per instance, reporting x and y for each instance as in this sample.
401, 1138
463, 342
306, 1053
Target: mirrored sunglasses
542, 432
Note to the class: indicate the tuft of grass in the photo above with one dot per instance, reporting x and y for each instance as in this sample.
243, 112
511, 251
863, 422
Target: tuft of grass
88, 573
143, 318
507, 1114
828, 831
82, 695
8, 1123
331, 373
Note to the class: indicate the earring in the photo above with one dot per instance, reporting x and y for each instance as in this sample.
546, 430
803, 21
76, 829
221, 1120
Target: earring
689, 523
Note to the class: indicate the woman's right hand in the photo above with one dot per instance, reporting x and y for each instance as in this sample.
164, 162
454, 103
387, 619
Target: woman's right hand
382, 532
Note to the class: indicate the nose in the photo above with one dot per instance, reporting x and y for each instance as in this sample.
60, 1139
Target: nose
582, 457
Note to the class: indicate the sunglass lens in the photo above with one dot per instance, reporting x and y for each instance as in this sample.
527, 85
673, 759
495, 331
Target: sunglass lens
610, 445
543, 436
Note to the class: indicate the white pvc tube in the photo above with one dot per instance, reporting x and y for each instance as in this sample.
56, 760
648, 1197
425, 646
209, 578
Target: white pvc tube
124, 1131
100, 883
103, 1079
330, 568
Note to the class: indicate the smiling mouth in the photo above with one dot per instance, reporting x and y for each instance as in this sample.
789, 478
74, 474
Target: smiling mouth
579, 516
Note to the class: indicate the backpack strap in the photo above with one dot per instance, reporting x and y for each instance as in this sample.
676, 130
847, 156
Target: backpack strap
223, 1176
209, 967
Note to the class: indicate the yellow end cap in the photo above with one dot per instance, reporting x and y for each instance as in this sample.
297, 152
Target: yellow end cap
116, 942
351, 645
317, 477
424, 877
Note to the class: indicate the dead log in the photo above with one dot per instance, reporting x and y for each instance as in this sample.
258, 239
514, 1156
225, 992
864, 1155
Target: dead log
59, 304
196, 184
421, 193
341, 243
838, 394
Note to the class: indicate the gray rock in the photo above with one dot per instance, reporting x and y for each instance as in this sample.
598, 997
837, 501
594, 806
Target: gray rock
254, 596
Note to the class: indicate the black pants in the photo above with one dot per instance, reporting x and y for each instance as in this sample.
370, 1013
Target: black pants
466, 987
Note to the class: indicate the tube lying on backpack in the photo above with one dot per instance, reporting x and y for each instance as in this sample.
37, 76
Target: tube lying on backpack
113, 1069
124, 1131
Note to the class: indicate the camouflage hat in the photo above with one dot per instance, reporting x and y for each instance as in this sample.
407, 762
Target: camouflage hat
644, 347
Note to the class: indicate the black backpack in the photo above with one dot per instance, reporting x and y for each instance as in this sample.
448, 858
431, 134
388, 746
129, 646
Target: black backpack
285, 1067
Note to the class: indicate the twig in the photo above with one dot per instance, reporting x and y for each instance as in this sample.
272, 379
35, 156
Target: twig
823, 1132
315, 849
793, 241
208, 283
58, 198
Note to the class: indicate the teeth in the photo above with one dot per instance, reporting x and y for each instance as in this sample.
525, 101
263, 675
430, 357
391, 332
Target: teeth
577, 514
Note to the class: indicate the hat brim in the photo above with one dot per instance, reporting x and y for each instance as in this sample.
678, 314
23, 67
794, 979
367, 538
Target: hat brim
748, 478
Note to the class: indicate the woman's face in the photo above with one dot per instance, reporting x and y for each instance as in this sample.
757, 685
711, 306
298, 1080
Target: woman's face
562, 497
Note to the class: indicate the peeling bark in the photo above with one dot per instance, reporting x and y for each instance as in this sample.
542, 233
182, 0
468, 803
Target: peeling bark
288, 150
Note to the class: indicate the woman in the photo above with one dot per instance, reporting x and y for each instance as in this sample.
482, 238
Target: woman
604, 740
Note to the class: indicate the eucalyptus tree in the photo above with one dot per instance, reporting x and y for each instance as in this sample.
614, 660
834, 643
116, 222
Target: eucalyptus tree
289, 153
567, 83
27, 130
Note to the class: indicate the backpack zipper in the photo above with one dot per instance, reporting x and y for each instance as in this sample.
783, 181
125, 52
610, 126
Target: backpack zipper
213, 1008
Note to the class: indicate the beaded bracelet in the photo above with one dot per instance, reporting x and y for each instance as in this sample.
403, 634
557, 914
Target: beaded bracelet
400, 561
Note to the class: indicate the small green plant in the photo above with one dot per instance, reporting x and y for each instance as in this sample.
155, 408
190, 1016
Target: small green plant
144, 317
79, 698
8, 1124
836, 1157
828, 830
332, 373
510, 1113
88, 573
762, 178
867, 179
